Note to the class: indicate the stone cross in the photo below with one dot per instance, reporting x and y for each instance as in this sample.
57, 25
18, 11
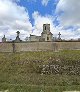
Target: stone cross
59, 35
18, 33
4, 36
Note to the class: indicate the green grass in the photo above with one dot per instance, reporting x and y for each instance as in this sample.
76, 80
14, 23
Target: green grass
19, 72
36, 88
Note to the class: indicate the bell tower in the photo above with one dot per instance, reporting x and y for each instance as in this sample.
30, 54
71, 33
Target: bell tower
46, 28
46, 34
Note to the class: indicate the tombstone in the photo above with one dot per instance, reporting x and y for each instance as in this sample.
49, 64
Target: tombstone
17, 38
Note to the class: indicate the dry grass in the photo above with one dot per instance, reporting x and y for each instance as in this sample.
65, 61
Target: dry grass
19, 71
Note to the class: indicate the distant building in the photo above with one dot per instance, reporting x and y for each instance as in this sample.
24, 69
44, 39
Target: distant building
34, 38
4, 39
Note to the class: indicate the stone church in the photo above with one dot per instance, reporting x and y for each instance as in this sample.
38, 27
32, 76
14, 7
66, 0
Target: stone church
46, 35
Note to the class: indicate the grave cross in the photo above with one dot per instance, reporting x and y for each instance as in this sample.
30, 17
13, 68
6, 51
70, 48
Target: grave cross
18, 33
59, 35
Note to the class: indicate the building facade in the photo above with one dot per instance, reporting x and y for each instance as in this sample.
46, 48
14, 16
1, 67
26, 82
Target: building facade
46, 35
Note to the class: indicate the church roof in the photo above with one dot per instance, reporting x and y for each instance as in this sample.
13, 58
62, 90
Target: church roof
47, 33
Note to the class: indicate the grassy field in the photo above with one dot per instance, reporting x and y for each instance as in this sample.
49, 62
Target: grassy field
21, 72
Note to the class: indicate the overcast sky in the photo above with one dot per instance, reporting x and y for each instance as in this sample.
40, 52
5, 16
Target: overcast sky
28, 16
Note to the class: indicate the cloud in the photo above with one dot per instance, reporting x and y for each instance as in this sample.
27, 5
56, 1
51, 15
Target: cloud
45, 2
39, 21
12, 18
70, 12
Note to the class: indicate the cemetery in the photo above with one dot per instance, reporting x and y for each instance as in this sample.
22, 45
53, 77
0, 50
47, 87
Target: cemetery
40, 64
45, 42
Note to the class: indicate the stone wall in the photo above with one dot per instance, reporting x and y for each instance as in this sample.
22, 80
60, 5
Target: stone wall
39, 46
68, 45
35, 46
6, 47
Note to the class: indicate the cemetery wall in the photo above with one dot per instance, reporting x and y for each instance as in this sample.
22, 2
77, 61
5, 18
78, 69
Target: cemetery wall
68, 45
39, 46
6, 47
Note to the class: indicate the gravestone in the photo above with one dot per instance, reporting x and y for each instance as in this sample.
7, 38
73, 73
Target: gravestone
17, 38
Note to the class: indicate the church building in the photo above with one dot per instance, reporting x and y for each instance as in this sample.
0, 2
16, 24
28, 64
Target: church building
46, 35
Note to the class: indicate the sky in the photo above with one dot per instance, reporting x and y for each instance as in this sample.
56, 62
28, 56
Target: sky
28, 17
